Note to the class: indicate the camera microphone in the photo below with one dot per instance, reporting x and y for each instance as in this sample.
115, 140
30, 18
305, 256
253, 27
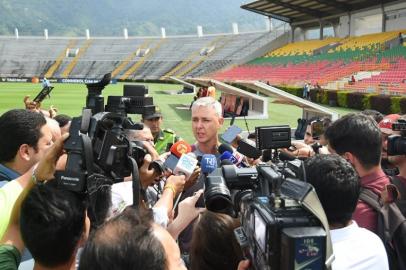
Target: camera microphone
248, 149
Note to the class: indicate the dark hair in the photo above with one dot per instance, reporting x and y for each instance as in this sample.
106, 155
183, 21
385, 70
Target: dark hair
358, 134
213, 244
99, 202
125, 242
377, 116
62, 119
52, 222
337, 186
19, 127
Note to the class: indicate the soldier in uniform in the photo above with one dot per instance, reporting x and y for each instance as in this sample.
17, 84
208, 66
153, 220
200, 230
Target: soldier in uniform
162, 137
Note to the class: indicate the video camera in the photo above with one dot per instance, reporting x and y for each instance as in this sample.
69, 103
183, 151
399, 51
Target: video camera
397, 143
283, 223
98, 151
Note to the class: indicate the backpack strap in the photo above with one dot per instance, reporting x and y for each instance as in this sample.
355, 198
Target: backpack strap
371, 198
400, 185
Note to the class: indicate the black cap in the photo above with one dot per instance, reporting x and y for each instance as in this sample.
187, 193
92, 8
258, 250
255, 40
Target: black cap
156, 114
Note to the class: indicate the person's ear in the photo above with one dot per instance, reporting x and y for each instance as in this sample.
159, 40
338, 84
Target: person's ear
86, 231
24, 151
349, 157
221, 121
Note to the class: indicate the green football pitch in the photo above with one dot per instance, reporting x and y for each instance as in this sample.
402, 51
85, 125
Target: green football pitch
70, 99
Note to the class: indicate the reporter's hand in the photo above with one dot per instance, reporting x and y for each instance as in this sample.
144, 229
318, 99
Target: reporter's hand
177, 181
47, 165
31, 105
193, 178
244, 265
53, 111
147, 176
187, 210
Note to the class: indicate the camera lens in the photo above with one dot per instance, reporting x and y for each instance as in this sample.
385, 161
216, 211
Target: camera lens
217, 196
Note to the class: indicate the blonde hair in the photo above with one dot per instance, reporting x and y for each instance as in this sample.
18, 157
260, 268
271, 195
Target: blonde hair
209, 102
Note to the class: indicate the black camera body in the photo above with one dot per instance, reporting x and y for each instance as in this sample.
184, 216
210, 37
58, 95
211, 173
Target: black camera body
279, 238
397, 143
97, 147
277, 231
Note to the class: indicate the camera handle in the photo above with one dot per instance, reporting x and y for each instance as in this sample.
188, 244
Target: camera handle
312, 203
136, 182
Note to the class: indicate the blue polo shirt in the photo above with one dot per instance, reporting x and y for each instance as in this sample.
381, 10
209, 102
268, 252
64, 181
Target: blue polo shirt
7, 174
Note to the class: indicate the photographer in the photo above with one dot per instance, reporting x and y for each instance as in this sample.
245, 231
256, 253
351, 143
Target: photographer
399, 180
25, 138
357, 138
338, 189
53, 222
385, 125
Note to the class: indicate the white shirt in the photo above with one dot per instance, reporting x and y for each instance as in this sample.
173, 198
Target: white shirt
122, 196
358, 248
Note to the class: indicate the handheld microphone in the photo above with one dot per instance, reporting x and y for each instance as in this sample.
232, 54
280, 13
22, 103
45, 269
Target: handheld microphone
186, 165
236, 160
208, 164
177, 149
225, 147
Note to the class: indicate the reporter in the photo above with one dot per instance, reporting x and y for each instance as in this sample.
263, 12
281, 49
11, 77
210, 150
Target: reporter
24, 139
131, 241
213, 243
338, 187
12, 243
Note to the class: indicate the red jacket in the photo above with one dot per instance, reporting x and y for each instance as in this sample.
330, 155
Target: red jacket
364, 215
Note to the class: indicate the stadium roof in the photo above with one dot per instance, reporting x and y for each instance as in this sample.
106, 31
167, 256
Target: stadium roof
302, 11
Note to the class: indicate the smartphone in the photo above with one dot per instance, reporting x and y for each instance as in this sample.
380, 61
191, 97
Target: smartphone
43, 94
317, 129
231, 133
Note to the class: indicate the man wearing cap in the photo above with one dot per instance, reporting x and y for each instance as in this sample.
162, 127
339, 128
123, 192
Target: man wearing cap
162, 137
385, 125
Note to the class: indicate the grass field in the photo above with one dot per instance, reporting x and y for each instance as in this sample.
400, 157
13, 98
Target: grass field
71, 98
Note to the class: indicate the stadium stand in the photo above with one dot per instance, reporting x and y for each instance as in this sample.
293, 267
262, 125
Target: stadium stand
299, 62
301, 48
28, 58
34, 56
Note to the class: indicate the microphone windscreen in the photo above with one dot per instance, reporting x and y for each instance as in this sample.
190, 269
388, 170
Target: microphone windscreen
225, 147
226, 155
208, 163
185, 165
179, 148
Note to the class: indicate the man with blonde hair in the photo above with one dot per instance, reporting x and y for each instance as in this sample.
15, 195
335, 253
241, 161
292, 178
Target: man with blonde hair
207, 119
